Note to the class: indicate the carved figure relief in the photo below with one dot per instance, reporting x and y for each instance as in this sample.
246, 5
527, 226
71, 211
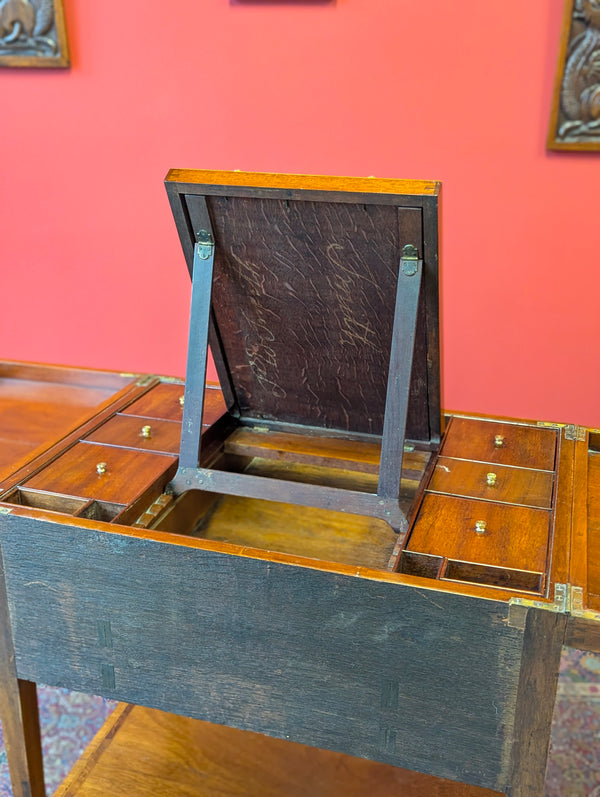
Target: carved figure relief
32, 33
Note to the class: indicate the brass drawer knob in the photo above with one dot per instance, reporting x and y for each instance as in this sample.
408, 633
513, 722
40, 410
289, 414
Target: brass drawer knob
146, 432
480, 526
182, 400
491, 479
101, 468
498, 441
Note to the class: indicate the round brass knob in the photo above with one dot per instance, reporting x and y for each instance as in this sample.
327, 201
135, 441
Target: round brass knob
480, 526
101, 468
499, 441
146, 432
181, 400
491, 479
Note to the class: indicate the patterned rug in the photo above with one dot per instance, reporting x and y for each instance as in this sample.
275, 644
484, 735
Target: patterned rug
70, 720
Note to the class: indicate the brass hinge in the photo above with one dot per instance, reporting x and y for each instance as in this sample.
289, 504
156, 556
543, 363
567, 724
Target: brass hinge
567, 600
518, 607
409, 262
204, 244
5, 510
573, 432
551, 425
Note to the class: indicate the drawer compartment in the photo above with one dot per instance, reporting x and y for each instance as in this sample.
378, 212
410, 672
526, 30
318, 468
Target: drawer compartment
482, 533
165, 401
493, 482
501, 443
105, 473
130, 431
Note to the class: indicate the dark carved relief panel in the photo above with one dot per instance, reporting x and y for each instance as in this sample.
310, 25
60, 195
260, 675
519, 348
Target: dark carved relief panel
32, 33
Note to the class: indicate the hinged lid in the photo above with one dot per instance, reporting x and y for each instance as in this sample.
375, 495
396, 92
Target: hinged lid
304, 293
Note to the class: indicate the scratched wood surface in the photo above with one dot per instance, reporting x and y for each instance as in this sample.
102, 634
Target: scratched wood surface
304, 299
421, 679
141, 751
305, 276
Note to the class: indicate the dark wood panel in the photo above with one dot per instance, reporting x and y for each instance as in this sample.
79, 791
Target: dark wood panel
412, 677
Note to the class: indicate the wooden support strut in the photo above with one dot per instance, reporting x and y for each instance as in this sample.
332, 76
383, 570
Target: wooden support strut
384, 504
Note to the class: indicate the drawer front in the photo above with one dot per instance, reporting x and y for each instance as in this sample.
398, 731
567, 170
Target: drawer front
165, 401
501, 443
105, 473
482, 532
146, 434
493, 482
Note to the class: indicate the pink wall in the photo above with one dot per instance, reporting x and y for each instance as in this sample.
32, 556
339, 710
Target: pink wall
91, 267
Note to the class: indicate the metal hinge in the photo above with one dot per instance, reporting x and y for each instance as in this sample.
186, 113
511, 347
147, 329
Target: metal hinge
573, 432
567, 600
518, 607
409, 262
205, 244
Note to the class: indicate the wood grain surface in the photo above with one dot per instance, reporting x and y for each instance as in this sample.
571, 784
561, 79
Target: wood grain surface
418, 678
141, 752
522, 446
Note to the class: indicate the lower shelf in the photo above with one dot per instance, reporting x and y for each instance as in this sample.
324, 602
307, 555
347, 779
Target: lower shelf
140, 752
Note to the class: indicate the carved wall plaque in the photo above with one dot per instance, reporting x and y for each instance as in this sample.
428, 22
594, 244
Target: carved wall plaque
575, 117
32, 33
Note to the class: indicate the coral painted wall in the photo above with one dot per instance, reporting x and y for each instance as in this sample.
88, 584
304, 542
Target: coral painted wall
92, 272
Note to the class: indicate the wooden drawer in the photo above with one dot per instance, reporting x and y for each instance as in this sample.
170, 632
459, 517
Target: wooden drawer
479, 541
501, 443
129, 431
165, 401
127, 473
493, 482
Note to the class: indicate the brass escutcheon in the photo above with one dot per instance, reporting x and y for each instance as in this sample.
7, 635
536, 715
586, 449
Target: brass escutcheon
146, 432
480, 526
491, 479
101, 468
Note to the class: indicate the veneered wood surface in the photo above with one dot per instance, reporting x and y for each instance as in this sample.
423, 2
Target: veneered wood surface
515, 537
39, 406
163, 402
126, 431
593, 525
128, 473
418, 678
523, 446
141, 751
316, 533
512, 485
303, 184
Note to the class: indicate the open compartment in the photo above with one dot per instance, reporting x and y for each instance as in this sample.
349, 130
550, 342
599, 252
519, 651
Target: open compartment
321, 311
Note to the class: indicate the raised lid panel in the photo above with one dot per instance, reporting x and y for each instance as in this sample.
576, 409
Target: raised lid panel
304, 293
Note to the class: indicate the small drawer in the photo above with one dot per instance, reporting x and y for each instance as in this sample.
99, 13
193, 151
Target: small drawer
146, 434
492, 482
482, 532
165, 401
104, 473
502, 443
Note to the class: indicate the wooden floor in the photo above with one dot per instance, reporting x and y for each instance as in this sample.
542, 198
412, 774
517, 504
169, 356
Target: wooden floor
144, 753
